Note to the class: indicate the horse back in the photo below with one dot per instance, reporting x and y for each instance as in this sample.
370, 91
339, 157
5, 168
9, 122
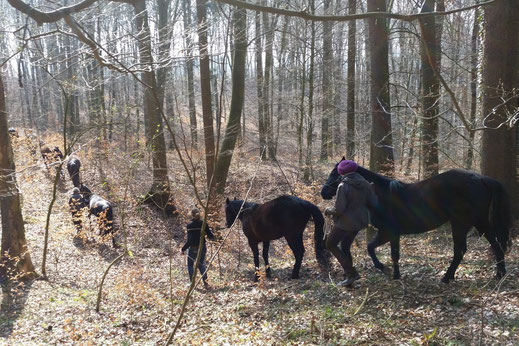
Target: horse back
456, 195
285, 216
98, 205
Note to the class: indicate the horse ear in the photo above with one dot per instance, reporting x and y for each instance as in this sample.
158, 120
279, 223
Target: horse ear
343, 158
234, 198
227, 200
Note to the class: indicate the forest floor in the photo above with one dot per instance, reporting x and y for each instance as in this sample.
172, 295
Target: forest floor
143, 293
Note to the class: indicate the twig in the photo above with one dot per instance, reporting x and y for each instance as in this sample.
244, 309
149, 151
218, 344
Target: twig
99, 293
363, 302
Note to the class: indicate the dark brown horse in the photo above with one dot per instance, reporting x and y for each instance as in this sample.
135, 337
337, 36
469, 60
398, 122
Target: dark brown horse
463, 198
285, 216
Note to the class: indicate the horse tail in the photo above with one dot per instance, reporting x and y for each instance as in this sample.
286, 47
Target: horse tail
500, 215
321, 254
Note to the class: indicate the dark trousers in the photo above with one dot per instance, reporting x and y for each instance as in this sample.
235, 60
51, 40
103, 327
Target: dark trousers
76, 219
191, 258
343, 256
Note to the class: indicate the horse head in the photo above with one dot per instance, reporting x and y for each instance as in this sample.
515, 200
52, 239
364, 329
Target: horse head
232, 210
330, 186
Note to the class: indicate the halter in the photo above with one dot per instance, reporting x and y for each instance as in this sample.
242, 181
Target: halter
338, 180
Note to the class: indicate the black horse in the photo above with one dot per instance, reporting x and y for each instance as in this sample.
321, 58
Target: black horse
463, 198
102, 210
284, 216
73, 166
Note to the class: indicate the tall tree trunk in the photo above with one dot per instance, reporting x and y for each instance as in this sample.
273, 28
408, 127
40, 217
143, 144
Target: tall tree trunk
186, 6
269, 41
36, 111
339, 90
310, 123
205, 84
326, 136
259, 88
499, 80
281, 77
164, 35
381, 143
301, 113
25, 75
71, 66
473, 86
238, 93
352, 52
159, 192
381, 146
15, 260
430, 92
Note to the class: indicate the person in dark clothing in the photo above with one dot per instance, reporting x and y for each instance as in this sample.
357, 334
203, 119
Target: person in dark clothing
192, 244
350, 214
76, 204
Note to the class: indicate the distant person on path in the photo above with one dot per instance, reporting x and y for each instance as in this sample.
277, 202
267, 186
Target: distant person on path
194, 229
350, 215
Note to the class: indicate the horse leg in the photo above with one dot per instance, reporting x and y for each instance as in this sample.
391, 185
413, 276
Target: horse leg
254, 247
298, 249
380, 239
500, 255
459, 236
266, 246
395, 256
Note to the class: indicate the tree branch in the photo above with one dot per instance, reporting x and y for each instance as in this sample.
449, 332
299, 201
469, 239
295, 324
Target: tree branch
323, 18
93, 46
49, 17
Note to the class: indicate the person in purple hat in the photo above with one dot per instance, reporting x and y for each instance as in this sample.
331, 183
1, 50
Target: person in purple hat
350, 215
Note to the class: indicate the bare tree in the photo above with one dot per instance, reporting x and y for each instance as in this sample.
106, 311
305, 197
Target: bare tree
500, 67
205, 84
187, 17
430, 91
381, 145
15, 260
327, 68
238, 92
352, 53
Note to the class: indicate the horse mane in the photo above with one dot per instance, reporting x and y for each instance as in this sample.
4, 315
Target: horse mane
376, 178
396, 185
239, 203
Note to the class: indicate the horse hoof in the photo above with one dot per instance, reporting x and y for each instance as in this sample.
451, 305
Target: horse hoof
446, 280
396, 276
268, 274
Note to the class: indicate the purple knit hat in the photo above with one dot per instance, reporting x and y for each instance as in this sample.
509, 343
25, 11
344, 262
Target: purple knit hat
347, 166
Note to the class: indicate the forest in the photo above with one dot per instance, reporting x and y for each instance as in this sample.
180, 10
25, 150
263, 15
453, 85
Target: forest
147, 147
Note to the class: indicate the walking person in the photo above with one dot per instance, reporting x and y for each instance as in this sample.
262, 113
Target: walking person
350, 215
192, 245
76, 204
